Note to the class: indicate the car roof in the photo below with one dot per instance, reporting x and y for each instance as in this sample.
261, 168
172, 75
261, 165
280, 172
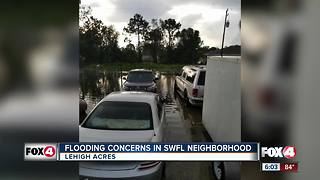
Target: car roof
140, 70
131, 96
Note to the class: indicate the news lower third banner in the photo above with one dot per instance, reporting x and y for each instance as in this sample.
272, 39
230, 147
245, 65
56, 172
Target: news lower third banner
243, 151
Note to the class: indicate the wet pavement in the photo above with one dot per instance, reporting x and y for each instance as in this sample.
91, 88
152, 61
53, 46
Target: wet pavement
183, 123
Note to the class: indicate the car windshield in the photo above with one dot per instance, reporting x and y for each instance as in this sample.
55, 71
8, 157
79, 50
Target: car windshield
140, 76
121, 116
202, 78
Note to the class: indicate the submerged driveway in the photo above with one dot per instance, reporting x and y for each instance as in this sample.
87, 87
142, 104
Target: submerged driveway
183, 124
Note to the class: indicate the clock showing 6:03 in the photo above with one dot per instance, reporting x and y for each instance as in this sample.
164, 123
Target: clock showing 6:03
270, 166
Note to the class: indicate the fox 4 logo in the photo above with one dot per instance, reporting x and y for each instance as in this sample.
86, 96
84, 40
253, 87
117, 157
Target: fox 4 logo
288, 152
40, 151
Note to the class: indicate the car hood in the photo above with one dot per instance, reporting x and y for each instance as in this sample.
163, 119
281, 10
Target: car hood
146, 84
97, 135
109, 166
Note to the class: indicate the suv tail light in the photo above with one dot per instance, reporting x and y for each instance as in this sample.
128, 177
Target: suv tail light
266, 97
148, 164
194, 92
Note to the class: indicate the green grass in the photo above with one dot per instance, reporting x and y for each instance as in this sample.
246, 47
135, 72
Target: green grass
170, 68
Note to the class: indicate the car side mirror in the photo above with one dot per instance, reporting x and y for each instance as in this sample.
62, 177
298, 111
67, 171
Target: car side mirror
124, 78
82, 109
156, 78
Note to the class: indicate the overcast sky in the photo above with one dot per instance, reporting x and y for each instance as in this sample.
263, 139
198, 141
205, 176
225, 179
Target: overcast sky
207, 16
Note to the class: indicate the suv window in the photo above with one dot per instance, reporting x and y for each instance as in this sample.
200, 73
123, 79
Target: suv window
183, 75
287, 58
191, 77
202, 78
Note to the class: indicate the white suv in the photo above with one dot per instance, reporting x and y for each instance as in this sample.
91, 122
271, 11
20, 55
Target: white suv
190, 84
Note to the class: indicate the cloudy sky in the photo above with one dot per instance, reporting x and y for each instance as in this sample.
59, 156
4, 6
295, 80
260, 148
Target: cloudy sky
207, 16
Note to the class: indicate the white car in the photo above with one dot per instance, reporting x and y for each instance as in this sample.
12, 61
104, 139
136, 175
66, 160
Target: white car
127, 116
190, 84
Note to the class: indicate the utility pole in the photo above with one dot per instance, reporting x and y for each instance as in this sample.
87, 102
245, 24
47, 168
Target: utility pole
226, 24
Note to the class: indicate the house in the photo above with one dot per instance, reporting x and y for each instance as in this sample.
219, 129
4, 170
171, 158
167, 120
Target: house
146, 56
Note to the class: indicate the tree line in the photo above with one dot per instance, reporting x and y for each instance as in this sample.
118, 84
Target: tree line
162, 41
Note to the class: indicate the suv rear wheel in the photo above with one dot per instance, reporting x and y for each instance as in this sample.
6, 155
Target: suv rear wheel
218, 170
185, 95
163, 173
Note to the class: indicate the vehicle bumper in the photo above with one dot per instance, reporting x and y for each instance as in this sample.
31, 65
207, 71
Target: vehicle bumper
141, 89
264, 129
134, 174
196, 101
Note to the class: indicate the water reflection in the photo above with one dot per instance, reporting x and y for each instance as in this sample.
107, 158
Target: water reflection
165, 87
95, 85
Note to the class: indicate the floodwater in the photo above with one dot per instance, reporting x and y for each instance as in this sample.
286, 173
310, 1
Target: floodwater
183, 123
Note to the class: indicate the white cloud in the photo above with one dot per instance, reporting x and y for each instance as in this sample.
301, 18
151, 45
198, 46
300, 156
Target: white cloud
207, 16
208, 13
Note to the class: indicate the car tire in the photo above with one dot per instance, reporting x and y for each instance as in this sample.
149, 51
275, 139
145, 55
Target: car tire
163, 173
218, 170
185, 95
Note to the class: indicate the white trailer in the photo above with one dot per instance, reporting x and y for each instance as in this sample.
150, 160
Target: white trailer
222, 108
